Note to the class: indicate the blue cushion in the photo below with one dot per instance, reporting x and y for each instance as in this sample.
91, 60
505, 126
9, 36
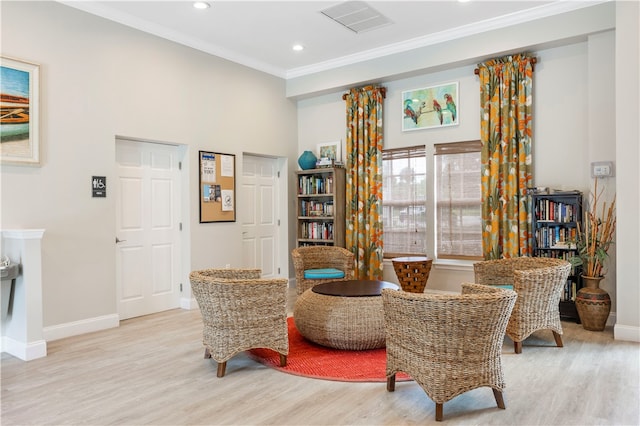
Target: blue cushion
507, 286
323, 274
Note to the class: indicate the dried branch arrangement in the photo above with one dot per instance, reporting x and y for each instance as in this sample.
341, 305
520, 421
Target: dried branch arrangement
595, 236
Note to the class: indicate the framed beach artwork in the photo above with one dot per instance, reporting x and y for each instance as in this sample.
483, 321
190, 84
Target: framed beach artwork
330, 150
430, 107
19, 105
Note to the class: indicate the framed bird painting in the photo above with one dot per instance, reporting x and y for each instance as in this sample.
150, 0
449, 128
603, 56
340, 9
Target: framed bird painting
430, 107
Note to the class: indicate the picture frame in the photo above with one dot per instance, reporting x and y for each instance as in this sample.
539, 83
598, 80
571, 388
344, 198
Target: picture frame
19, 112
431, 107
330, 150
217, 187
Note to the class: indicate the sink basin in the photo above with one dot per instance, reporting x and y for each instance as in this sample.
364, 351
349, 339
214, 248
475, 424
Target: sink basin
10, 271
8, 275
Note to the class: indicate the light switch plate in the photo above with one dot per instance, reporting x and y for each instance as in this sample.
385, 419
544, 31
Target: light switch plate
602, 169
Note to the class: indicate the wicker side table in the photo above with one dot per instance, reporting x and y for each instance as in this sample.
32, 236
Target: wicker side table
412, 272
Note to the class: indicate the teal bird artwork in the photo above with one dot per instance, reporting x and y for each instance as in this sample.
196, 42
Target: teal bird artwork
438, 109
450, 106
410, 112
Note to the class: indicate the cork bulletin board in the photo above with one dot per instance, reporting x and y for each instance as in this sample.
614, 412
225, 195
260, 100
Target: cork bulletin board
217, 187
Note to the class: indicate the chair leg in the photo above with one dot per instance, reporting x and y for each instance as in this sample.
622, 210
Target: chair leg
438, 412
222, 366
558, 338
517, 346
207, 354
499, 398
391, 382
283, 360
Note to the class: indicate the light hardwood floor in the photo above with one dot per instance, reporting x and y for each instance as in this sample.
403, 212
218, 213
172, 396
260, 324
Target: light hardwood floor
151, 371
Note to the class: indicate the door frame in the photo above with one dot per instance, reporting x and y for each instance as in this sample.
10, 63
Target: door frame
186, 300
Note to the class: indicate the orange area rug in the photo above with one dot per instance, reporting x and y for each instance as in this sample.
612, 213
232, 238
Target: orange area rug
311, 360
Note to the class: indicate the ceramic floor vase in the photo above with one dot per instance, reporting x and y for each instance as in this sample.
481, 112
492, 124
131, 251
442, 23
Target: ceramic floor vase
593, 304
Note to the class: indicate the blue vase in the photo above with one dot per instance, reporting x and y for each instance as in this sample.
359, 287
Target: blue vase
307, 160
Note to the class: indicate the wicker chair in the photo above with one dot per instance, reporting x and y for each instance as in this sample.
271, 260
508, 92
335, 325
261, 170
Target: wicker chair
241, 311
539, 283
319, 257
448, 343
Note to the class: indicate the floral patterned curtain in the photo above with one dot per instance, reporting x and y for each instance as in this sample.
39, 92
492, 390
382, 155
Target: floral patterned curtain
364, 180
505, 122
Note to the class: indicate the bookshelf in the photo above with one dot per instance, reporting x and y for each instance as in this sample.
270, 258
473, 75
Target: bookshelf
556, 215
321, 207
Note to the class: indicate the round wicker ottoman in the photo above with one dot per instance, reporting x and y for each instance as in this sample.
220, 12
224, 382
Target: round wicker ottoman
350, 317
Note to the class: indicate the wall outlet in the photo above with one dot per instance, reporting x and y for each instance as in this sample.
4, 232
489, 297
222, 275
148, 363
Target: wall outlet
228, 266
602, 169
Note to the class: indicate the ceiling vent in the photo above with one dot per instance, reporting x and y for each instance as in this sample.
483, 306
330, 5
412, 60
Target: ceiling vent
358, 16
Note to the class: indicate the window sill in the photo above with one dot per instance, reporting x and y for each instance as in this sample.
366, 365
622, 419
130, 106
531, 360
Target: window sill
454, 264
445, 264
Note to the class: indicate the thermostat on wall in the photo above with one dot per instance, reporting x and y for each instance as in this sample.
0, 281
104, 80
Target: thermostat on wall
602, 169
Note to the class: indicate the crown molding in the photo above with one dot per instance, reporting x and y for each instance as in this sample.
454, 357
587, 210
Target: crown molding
539, 12
169, 34
542, 11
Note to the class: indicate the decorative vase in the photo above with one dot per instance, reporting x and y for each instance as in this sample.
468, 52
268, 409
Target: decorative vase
307, 160
593, 304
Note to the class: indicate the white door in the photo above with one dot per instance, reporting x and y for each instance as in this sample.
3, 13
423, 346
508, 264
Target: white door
147, 228
260, 216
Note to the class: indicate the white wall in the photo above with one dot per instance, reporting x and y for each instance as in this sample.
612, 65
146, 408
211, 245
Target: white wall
100, 79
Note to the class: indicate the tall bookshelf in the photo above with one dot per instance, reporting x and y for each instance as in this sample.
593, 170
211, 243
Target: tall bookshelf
321, 207
556, 215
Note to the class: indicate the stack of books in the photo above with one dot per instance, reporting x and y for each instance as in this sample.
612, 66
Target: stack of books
324, 162
328, 162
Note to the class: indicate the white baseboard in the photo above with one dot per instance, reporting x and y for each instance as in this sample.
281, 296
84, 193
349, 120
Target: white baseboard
81, 327
24, 351
626, 332
188, 303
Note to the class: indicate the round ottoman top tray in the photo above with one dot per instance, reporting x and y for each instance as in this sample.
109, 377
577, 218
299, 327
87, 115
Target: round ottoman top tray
343, 314
353, 288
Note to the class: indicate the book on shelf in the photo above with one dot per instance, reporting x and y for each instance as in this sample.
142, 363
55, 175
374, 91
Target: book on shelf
312, 208
570, 291
316, 230
555, 237
315, 185
551, 211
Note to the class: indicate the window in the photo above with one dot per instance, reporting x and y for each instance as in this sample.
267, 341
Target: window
458, 200
404, 190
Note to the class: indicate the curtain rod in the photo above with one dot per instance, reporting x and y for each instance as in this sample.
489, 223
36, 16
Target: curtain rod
533, 62
382, 89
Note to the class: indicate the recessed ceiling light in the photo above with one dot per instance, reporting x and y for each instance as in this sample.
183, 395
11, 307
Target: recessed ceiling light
201, 5
298, 47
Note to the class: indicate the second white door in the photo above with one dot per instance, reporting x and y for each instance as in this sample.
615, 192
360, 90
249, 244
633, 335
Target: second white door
260, 214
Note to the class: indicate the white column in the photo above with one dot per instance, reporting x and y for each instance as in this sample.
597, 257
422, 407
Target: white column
627, 134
